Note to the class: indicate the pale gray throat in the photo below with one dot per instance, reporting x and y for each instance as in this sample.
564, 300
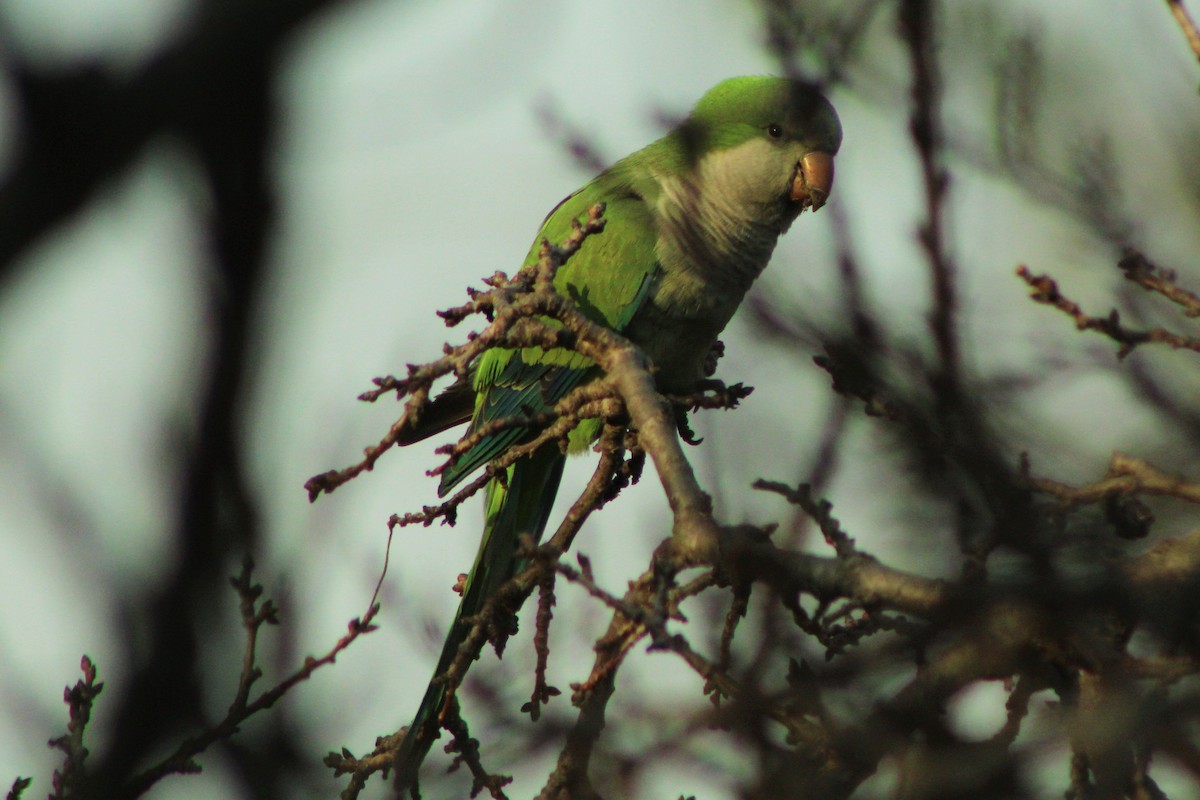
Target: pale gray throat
726, 241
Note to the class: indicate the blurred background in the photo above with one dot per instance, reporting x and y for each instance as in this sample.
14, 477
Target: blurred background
411, 149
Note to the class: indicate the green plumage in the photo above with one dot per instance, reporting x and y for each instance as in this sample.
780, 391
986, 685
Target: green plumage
691, 220
604, 279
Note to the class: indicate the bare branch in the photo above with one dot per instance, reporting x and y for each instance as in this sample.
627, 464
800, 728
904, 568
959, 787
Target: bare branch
181, 760
1152, 278
918, 29
1126, 476
69, 780
1186, 24
1045, 290
19, 785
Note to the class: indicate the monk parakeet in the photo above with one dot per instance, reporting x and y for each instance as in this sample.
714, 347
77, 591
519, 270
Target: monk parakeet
691, 221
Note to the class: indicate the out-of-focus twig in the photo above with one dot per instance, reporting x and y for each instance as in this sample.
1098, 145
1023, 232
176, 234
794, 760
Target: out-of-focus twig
1187, 24
819, 510
19, 785
1153, 278
1045, 290
1126, 475
917, 25
69, 780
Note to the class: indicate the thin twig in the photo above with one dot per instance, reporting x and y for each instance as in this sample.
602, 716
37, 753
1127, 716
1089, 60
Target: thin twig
1126, 475
19, 785
467, 750
1186, 24
542, 691
735, 614
1153, 278
1045, 290
917, 25
69, 779
821, 512
181, 759
512, 306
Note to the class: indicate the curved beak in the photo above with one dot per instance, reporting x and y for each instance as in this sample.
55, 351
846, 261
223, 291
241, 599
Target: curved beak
813, 180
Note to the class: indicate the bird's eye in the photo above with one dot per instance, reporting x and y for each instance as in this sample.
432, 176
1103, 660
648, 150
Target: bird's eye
774, 131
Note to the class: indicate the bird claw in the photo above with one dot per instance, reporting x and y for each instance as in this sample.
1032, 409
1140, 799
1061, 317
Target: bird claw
686, 434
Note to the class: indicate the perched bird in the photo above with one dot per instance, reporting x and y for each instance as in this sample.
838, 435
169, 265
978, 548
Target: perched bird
691, 221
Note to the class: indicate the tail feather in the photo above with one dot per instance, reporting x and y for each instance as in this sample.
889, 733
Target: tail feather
451, 407
521, 508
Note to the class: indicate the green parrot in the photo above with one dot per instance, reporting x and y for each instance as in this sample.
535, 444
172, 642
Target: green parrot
691, 221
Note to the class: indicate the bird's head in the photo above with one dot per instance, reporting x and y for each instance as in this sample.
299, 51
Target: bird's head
778, 135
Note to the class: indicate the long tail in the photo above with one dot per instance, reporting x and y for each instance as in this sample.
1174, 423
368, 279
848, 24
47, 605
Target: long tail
521, 508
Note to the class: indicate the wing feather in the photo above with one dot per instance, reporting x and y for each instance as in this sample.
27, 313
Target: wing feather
608, 278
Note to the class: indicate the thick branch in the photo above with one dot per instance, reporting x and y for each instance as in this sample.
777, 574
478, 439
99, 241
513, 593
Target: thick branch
695, 536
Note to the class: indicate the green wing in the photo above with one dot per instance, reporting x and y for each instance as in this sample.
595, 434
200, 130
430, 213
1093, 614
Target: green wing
608, 279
